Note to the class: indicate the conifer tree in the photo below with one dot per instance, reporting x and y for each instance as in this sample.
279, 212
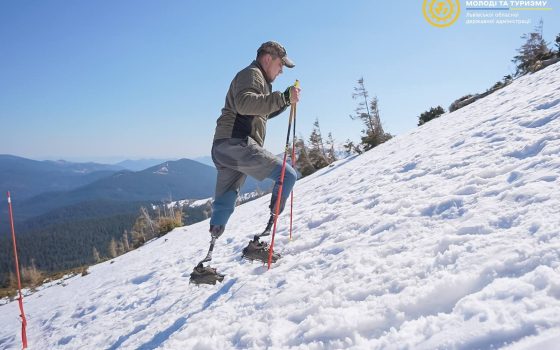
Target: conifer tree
350, 148
144, 228
331, 152
119, 247
317, 154
96, 257
431, 114
303, 163
138, 238
112, 249
126, 244
531, 52
362, 111
378, 136
368, 113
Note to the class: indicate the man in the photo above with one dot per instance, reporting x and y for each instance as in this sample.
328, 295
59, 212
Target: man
238, 150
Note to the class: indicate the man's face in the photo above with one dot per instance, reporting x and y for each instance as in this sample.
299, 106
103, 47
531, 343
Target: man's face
274, 68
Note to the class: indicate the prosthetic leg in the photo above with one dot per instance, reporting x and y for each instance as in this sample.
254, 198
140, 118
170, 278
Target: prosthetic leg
205, 274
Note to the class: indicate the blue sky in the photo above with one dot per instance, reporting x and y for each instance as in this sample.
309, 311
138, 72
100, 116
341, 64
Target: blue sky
109, 80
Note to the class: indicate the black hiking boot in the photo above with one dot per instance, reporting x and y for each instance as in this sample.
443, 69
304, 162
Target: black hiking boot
257, 250
205, 275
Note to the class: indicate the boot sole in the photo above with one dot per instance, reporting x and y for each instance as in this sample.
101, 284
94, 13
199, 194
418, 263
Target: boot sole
257, 258
208, 279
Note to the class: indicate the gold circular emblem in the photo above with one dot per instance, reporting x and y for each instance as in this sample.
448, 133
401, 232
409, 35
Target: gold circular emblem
441, 13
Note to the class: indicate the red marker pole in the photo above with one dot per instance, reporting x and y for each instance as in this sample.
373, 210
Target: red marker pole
20, 299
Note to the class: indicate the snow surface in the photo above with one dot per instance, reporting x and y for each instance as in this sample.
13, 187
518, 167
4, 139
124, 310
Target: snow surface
445, 238
191, 203
163, 170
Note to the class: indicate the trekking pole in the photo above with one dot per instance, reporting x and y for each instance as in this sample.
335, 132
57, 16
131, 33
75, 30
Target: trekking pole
294, 166
281, 184
20, 299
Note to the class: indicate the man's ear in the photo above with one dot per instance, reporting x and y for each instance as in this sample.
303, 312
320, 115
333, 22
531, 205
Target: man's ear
267, 58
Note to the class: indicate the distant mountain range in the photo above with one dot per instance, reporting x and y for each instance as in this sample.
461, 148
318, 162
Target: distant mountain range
26, 178
62, 210
39, 187
142, 164
179, 179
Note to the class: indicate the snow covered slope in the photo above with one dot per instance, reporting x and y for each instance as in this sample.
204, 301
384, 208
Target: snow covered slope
445, 238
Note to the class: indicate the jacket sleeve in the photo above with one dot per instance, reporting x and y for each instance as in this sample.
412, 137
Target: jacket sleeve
278, 112
250, 98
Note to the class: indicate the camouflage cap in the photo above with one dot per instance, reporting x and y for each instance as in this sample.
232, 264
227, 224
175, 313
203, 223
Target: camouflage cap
275, 49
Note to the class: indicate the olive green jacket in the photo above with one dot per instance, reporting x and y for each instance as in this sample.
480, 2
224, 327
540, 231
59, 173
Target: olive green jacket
250, 102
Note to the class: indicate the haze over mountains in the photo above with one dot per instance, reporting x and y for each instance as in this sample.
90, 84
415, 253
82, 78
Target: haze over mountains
171, 180
26, 178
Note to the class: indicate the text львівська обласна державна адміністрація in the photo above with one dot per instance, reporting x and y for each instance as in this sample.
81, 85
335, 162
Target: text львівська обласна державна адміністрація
478, 3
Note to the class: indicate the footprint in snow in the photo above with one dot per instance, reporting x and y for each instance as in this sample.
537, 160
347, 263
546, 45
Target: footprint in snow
529, 150
541, 121
547, 105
